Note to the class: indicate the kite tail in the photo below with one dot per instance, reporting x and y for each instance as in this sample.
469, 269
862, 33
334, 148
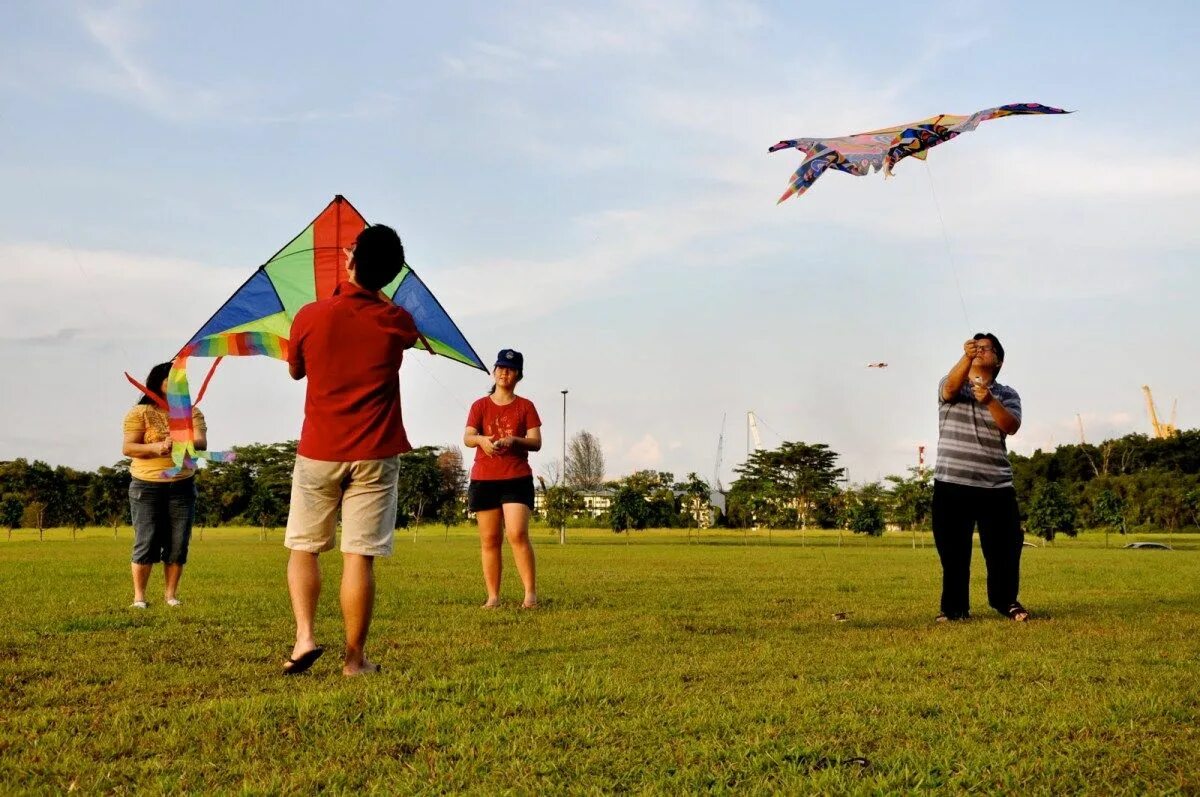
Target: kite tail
157, 399
179, 404
179, 418
179, 398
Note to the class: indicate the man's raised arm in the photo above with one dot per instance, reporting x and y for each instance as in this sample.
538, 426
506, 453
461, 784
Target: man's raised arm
958, 374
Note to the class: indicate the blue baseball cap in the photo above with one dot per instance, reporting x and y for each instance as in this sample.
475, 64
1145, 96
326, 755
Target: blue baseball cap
511, 358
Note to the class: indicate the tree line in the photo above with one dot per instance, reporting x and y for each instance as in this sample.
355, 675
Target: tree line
1133, 483
253, 489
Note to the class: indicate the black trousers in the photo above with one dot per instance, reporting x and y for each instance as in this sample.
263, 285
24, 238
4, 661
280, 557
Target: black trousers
956, 510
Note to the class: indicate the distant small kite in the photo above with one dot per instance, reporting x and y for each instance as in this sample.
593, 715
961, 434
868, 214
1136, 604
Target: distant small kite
877, 365
862, 153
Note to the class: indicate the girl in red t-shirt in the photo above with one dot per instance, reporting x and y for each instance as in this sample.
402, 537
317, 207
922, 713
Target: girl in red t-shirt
503, 428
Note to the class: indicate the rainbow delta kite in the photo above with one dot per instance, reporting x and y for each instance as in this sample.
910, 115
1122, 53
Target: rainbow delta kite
862, 153
257, 319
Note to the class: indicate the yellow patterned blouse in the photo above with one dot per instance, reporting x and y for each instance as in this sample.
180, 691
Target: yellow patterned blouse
152, 423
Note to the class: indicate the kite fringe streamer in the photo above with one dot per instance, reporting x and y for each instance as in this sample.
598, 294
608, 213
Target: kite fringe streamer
179, 404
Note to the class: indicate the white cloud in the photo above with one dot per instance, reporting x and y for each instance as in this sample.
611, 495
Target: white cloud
606, 246
118, 29
54, 293
553, 37
125, 73
636, 27
646, 453
494, 62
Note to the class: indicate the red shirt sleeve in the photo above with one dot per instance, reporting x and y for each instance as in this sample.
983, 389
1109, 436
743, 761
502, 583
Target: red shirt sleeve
296, 338
532, 421
406, 328
475, 417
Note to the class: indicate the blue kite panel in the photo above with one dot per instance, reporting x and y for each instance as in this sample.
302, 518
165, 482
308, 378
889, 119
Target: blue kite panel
256, 299
431, 318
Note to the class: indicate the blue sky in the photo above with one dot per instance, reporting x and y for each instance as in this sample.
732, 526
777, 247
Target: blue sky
590, 184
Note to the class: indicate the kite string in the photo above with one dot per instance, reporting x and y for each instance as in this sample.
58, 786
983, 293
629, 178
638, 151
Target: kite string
449, 393
949, 250
104, 309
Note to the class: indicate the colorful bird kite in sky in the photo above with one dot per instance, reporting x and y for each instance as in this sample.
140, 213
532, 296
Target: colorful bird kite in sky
862, 153
257, 318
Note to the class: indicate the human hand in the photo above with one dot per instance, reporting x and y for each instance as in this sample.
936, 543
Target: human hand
163, 448
982, 393
505, 442
970, 349
487, 445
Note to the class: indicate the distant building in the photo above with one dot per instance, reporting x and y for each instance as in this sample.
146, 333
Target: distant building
705, 514
595, 502
598, 502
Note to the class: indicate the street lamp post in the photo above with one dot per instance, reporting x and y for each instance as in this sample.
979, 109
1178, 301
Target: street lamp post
562, 527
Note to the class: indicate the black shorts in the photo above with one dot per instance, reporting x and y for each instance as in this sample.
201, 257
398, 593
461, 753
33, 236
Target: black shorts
494, 493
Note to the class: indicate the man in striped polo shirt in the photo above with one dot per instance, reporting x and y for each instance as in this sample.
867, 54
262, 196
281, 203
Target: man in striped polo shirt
973, 481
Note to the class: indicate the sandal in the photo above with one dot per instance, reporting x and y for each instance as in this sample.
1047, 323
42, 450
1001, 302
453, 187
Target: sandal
302, 662
1017, 613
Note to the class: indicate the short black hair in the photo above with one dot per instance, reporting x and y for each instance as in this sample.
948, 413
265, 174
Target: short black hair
996, 345
378, 256
153, 382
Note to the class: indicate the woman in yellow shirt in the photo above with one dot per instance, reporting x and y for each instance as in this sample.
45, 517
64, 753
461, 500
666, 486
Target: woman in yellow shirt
162, 508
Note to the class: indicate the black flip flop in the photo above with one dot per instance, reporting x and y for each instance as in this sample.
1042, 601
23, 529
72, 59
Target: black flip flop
306, 660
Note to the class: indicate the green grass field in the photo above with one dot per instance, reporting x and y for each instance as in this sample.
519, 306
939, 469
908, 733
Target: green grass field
655, 666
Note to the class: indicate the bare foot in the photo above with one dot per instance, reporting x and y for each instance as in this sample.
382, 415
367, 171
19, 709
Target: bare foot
366, 668
492, 603
530, 603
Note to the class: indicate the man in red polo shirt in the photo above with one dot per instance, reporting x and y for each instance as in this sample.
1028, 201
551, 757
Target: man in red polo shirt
350, 347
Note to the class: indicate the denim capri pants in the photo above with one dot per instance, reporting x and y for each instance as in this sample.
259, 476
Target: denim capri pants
162, 515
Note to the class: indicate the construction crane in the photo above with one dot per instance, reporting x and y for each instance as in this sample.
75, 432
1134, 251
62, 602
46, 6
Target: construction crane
720, 454
752, 433
1162, 431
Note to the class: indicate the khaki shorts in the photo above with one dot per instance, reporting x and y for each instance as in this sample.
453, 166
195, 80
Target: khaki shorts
365, 491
